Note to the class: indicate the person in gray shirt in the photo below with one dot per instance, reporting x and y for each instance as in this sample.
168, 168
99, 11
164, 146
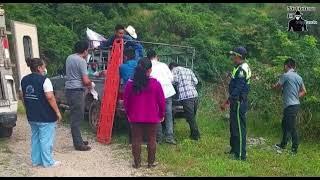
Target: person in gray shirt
77, 81
292, 89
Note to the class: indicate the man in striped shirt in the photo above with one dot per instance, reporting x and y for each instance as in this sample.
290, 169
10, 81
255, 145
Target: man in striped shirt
186, 81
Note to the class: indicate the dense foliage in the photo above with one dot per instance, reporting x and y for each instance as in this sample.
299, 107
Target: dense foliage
213, 29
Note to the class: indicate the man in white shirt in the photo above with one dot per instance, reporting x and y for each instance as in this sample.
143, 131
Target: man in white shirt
162, 73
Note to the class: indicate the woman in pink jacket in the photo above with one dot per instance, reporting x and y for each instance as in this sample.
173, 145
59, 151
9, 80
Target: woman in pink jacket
144, 103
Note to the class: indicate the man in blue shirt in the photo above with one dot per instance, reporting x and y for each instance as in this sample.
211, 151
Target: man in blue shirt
292, 89
137, 45
238, 101
119, 33
129, 65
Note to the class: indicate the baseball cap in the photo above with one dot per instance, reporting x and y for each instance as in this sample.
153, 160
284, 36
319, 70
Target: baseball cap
239, 51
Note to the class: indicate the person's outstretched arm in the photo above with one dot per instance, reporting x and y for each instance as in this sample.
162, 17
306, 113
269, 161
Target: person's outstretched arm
280, 83
303, 90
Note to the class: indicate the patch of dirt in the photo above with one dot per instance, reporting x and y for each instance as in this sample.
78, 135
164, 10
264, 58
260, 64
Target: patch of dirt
102, 160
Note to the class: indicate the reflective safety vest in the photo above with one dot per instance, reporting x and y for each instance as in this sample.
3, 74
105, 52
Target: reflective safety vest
245, 67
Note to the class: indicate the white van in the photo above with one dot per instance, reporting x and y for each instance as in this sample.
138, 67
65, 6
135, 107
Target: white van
13, 67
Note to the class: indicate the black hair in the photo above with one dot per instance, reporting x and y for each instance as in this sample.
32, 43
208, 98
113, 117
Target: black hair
81, 46
151, 54
119, 27
129, 53
173, 65
290, 63
34, 63
140, 78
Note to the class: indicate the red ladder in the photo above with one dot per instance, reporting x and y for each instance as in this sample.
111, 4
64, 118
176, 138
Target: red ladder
110, 93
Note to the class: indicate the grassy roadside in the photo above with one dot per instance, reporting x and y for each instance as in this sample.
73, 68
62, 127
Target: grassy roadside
21, 109
206, 157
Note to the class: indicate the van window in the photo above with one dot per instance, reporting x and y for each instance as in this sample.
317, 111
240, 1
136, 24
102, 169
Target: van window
27, 45
11, 92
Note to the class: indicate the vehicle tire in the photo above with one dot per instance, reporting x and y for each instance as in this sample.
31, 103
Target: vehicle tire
94, 115
88, 101
62, 110
5, 132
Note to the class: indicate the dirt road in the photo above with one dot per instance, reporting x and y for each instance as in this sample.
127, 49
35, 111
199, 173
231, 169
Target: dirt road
102, 160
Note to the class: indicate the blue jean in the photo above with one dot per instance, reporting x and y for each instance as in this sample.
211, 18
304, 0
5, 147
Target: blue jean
42, 143
168, 123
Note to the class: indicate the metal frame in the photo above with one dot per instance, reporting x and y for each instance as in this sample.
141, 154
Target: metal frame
172, 45
93, 50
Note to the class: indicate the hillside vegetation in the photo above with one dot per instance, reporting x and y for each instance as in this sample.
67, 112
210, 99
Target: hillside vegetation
213, 29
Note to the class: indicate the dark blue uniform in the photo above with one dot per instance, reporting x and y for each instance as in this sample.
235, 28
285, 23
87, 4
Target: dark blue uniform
238, 91
37, 106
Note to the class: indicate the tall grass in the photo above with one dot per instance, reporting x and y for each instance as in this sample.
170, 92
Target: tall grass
206, 157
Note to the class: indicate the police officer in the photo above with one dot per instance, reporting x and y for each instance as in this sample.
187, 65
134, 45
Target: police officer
238, 101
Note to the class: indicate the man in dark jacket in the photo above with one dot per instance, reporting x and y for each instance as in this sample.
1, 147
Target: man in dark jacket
238, 101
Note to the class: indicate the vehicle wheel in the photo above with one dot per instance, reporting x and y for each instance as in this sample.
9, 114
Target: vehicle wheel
88, 100
5, 132
94, 115
62, 110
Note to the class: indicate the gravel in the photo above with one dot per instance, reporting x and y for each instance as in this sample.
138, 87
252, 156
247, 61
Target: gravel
102, 160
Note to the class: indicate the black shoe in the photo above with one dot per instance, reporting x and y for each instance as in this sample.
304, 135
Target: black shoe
83, 148
229, 152
294, 151
153, 165
159, 141
86, 143
172, 141
195, 135
136, 166
196, 138
234, 157
279, 146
